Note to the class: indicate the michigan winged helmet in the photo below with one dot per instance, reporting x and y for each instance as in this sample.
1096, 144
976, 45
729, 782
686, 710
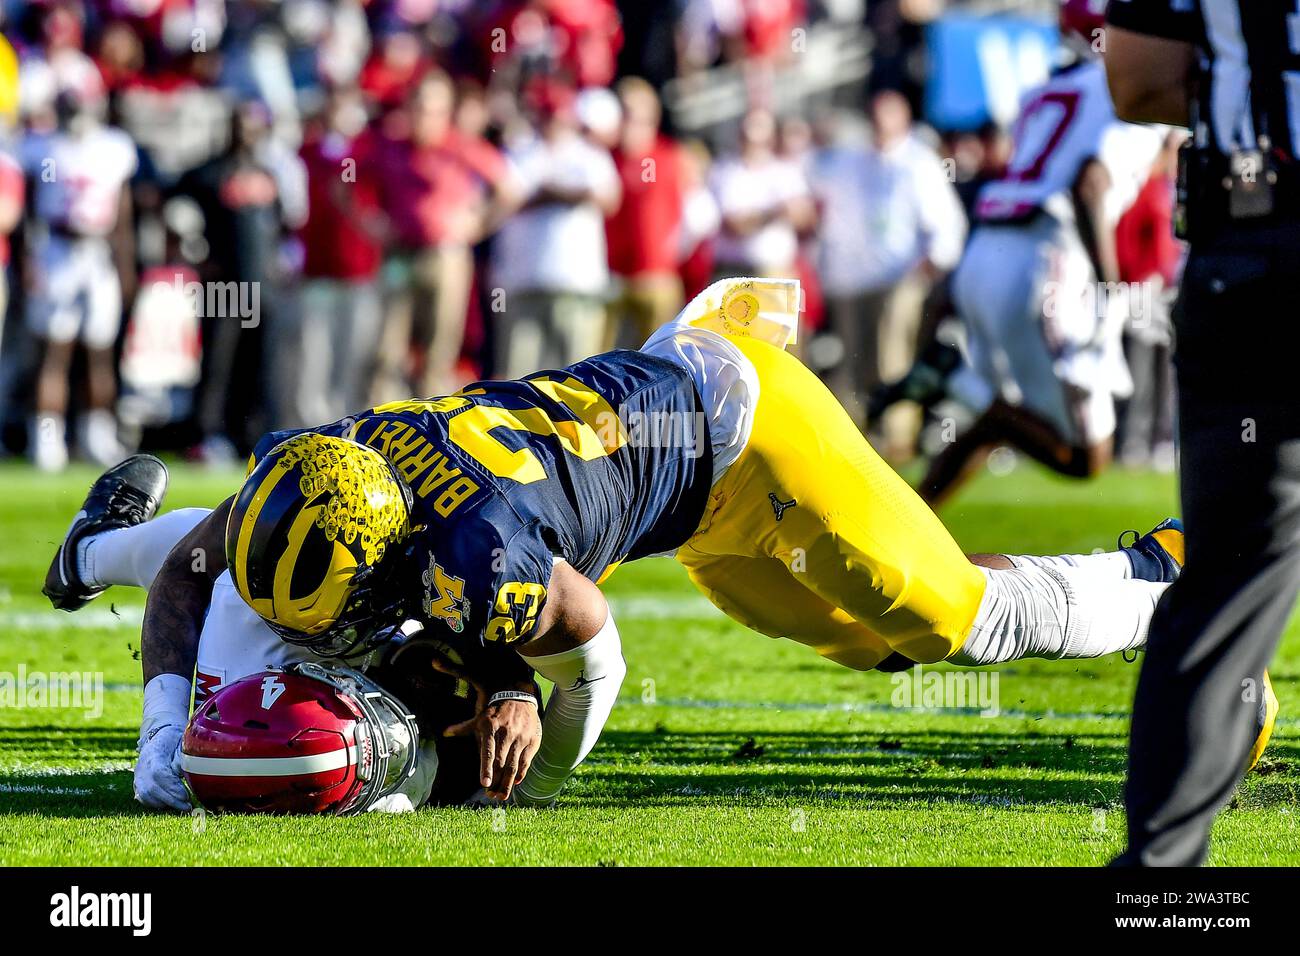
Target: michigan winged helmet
306, 539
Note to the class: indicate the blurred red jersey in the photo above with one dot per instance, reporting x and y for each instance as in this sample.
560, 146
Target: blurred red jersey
342, 189
643, 235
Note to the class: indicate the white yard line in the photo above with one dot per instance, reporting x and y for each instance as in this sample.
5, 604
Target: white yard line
656, 607
874, 707
26, 770
643, 606
91, 619
629, 607
50, 791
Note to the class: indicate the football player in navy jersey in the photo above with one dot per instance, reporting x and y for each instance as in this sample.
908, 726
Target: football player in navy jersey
463, 514
488, 518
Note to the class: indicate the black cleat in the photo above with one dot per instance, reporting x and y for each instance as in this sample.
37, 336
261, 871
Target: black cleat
925, 383
122, 497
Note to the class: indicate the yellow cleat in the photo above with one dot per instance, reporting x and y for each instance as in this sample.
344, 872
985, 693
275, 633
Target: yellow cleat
1267, 717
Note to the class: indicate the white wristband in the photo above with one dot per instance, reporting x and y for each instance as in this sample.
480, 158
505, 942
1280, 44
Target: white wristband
166, 701
501, 695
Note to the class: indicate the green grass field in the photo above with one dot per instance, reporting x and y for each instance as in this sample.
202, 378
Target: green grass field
726, 748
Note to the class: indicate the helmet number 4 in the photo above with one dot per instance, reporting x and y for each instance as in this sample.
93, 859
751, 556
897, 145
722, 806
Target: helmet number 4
272, 688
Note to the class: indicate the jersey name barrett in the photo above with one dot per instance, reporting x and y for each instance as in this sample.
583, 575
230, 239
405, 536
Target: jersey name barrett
603, 461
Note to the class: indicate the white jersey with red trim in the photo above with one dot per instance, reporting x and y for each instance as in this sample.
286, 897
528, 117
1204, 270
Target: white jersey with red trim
1128, 151
1063, 124
1026, 287
79, 177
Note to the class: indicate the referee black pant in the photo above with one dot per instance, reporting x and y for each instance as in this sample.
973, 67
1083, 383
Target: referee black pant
1217, 627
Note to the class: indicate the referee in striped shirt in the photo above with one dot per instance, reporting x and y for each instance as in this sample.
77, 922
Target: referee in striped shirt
1230, 71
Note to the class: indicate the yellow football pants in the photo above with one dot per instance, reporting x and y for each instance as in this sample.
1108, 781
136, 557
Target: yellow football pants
811, 536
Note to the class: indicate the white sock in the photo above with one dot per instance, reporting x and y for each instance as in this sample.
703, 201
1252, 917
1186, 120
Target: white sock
1057, 613
98, 431
99, 425
1114, 564
132, 556
49, 441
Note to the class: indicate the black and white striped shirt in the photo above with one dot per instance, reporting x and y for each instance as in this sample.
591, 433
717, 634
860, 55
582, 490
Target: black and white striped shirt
1250, 51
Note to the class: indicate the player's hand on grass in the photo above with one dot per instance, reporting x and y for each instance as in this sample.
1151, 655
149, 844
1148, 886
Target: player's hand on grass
518, 798
158, 784
480, 799
509, 732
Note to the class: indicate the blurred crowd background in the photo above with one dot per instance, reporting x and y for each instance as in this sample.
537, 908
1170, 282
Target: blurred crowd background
219, 217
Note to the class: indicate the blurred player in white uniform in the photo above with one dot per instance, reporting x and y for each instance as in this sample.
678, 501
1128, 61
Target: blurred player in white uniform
81, 255
1036, 287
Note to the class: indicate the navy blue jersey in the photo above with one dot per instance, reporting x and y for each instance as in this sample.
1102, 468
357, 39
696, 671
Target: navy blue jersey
602, 462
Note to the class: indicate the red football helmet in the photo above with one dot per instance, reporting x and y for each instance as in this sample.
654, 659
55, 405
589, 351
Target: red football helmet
1082, 20
307, 738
